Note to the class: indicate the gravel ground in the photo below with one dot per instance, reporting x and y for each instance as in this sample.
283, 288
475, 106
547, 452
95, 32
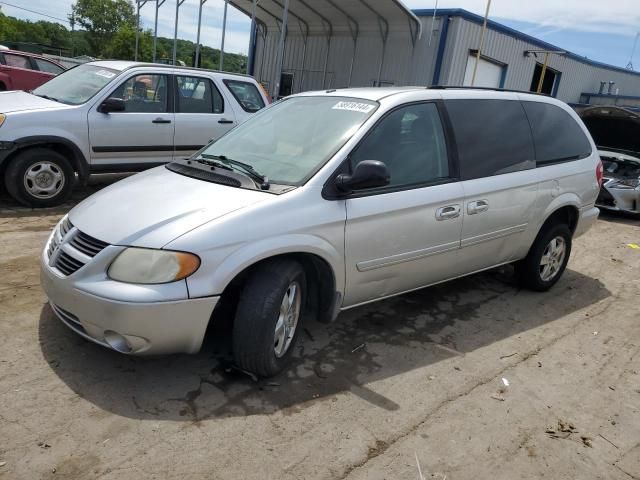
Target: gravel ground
412, 380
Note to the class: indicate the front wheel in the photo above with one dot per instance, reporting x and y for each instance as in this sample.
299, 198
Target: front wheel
268, 317
547, 259
39, 177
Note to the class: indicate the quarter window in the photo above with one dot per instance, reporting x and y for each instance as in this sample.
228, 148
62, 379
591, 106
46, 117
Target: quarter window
246, 94
411, 142
556, 135
146, 93
493, 137
45, 66
198, 95
17, 61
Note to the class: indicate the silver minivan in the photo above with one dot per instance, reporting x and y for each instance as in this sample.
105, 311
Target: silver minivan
323, 202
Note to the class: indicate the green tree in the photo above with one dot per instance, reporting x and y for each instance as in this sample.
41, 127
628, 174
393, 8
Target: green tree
122, 45
102, 19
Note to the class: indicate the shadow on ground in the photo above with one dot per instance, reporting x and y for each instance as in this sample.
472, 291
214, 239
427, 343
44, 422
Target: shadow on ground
9, 208
364, 344
620, 217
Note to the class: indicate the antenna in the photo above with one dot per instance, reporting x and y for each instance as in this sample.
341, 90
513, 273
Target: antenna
633, 51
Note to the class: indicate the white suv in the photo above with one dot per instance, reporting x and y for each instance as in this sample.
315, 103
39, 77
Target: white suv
113, 116
323, 202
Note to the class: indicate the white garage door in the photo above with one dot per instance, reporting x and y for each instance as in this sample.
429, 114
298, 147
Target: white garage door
489, 74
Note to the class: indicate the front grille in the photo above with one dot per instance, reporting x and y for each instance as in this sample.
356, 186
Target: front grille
66, 240
67, 264
86, 244
69, 318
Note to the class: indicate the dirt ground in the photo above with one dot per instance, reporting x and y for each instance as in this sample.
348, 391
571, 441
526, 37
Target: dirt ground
414, 380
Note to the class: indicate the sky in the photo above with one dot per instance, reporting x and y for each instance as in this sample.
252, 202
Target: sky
602, 31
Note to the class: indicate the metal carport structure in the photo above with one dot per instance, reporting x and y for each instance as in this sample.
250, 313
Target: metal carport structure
322, 25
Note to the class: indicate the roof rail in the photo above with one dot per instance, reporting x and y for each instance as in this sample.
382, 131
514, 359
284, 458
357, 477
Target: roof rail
495, 89
166, 65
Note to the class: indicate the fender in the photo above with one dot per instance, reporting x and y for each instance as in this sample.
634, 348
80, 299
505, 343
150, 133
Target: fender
79, 162
568, 199
250, 254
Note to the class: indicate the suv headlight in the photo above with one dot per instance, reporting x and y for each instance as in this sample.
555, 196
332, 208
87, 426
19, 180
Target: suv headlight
142, 265
2, 118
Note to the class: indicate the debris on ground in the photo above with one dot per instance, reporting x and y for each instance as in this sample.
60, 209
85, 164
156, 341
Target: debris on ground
587, 441
359, 347
507, 356
44, 445
563, 430
635, 246
241, 370
607, 440
499, 395
2, 464
431, 377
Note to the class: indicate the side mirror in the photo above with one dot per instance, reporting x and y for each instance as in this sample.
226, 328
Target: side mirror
112, 104
367, 174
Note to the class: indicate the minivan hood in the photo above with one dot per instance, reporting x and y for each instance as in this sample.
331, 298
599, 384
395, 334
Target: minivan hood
153, 208
18, 101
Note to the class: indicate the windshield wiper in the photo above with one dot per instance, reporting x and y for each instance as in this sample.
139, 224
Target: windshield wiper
247, 169
47, 97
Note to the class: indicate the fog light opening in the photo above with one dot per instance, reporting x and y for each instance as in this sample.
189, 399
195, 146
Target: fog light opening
117, 341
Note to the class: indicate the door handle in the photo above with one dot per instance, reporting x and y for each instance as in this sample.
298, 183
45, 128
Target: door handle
448, 212
477, 206
160, 120
224, 120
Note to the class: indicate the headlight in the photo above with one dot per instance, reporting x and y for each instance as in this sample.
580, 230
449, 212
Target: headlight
2, 118
142, 265
627, 183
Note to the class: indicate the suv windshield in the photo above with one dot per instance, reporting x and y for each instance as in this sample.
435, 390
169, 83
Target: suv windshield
77, 85
290, 141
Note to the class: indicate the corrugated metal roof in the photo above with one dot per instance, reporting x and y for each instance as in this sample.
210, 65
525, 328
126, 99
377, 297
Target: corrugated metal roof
334, 16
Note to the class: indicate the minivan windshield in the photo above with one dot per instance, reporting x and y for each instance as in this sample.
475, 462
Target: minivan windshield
77, 85
291, 140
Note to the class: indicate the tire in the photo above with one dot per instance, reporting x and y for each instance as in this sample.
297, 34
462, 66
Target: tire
257, 347
530, 272
53, 172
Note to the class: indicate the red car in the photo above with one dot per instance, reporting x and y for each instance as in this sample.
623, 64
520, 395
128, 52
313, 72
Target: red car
25, 71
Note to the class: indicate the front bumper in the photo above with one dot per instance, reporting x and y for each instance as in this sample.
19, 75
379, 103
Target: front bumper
140, 328
618, 199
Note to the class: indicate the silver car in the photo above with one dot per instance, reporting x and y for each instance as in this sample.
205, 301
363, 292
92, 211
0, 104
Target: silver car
616, 131
113, 116
320, 203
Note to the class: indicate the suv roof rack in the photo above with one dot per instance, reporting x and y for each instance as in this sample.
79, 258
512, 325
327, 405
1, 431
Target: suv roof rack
193, 69
494, 89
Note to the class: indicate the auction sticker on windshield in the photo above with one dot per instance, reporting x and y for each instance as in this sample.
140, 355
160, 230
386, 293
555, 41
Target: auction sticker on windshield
354, 106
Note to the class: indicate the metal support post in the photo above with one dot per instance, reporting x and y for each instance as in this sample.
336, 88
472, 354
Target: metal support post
224, 33
280, 53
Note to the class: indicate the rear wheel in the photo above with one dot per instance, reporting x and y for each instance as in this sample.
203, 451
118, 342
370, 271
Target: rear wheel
268, 317
547, 258
39, 177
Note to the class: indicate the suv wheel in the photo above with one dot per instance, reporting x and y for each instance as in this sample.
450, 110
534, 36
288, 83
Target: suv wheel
547, 259
39, 177
268, 317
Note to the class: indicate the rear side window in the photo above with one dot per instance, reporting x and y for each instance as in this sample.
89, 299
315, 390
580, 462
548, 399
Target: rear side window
246, 94
556, 135
17, 61
198, 95
493, 137
45, 66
